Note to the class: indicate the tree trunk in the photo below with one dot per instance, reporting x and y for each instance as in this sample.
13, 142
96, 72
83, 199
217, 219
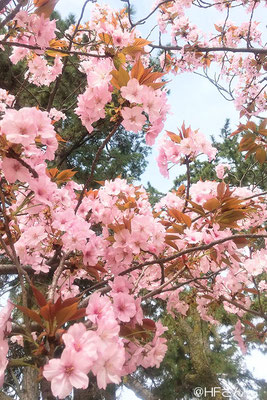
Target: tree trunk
94, 393
4, 396
202, 374
30, 385
139, 390
46, 390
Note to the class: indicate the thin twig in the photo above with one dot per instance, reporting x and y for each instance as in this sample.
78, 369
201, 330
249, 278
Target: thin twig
250, 22
58, 80
13, 255
159, 289
11, 154
255, 195
143, 20
238, 305
59, 270
12, 14
246, 172
194, 280
94, 164
163, 285
193, 249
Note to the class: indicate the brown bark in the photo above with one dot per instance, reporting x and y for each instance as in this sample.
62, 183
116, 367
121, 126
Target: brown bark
4, 396
30, 386
202, 374
3, 4
46, 390
140, 390
94, 393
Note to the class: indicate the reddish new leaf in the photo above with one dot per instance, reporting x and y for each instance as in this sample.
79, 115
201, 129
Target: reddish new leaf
66, 314
31, 314
41, 300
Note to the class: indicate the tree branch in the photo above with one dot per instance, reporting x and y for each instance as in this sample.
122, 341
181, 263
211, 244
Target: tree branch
193, 249
56, 276
11, 269
70, 52
12, 14
167, 259
143, 20
194, 49
11, 154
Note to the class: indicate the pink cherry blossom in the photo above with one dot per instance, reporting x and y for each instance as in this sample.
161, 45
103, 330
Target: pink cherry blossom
18, 54
17, 339
67, 372
43, 189
13, 170
43, 29
19, 126
108, 367
155, 356
133, 119
5, 324
3, 359
6, 99
191, 145
98, 307
133, 91
120, 285
56, 115
124, 306
220, 170
239, 329
81, 341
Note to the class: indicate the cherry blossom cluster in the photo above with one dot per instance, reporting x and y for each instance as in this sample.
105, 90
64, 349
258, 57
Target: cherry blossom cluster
33, 30
100, 349
91, 104
41, 73
174, 148
143, 107
74, 231
6, 100
129, 231
225, 283
150, 103
31, 130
